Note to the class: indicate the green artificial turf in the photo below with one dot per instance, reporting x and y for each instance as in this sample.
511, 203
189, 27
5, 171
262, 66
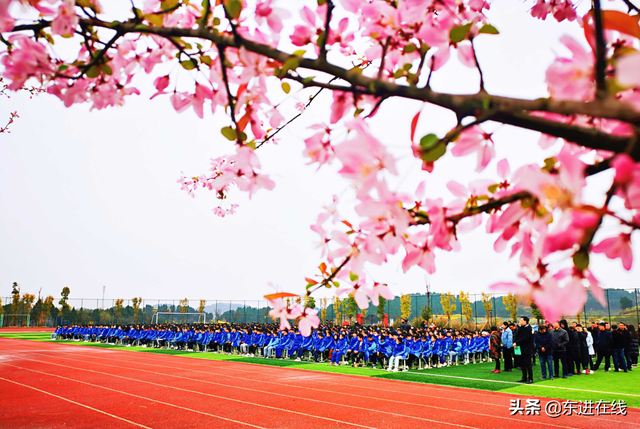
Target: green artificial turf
600, 386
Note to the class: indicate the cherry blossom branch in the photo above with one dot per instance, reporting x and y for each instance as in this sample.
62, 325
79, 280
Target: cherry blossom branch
631, 6
313, 97
333, 274
5, 129
474, 210
225, 78
385, 46
475, 58
588, 137
327, 29
601, 62
462, 104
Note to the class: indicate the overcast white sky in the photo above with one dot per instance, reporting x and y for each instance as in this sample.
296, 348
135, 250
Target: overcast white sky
90, 198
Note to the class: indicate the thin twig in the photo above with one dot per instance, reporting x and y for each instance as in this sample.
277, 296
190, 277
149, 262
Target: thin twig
385, 46
205, 15
225, 78
631, 6
475, 58
327, 29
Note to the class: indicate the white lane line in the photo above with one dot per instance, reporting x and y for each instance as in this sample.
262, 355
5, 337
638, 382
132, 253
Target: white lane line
198, 393
134, 395
522, 384
321, 390
451, 389
76, 403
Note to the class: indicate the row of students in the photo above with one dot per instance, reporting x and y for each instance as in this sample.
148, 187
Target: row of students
424, 348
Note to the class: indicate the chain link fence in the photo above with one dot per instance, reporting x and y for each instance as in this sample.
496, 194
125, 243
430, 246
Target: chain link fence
473, 311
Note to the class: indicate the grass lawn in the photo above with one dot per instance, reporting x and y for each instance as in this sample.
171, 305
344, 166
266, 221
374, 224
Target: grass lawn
601, 385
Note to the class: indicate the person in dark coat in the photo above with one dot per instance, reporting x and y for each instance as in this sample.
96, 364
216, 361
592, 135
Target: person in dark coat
633, 349
595, 330
576, 350
571, 347
617, 344
544, 345
585, 359
560, 343
603, 350
627, 344
523, 338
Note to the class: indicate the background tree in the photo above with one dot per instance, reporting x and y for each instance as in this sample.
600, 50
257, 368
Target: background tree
448, 301
426, 313
625, 303
405, 306
382, 304
487, 304
27, 303
65, 297
118, 310
535, 311
350, 307
1, 310
136, 302
184, 307
465, 306
337, 309
510, 302
309, 301
15, 303
323, 312
203, 304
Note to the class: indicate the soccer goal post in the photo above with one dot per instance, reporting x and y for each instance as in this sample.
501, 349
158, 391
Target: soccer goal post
15, 320
176, 316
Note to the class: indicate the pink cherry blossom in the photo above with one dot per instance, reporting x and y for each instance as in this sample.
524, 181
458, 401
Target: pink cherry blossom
627, 70
617, 247
284, 313
308, 320
359, 291
472, 140
66, 19
572, 78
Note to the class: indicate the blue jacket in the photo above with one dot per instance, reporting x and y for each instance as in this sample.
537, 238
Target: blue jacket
401, 350
507, 338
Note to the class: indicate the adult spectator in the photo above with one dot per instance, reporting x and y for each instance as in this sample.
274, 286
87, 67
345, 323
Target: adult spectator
627, 344
524, 340
560, 343
617, 344
603, 349
405, 325
494, 348
594, 330
507, 347
573, 348
544, 345
633, 350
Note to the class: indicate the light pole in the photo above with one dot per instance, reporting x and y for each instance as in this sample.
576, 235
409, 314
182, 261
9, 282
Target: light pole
103, 289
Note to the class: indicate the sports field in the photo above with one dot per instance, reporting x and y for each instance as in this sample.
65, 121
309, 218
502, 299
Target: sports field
76, 384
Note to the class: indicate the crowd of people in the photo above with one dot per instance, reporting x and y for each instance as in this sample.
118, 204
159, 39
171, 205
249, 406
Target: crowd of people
393, 349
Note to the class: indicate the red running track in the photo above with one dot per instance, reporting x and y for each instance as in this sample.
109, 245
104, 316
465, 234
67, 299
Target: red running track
56, 385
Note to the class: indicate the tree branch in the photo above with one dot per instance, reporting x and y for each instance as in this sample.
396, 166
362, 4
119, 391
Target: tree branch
601, 62
462, 105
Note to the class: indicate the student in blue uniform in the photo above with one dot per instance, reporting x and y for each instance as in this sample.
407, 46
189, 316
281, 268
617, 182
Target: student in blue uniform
400, 352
